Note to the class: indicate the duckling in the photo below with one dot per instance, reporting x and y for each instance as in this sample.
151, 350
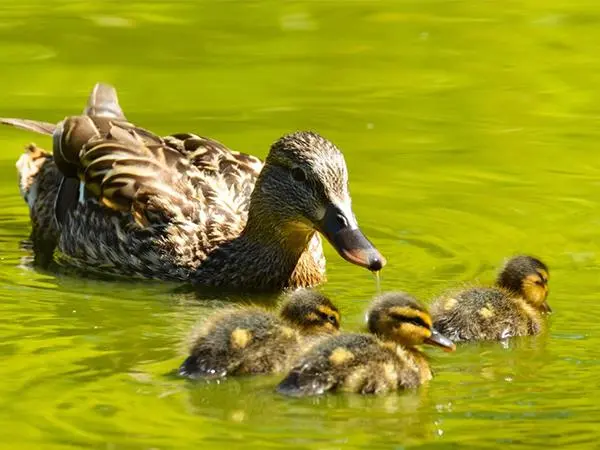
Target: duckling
252, 340
385, 360
513, 307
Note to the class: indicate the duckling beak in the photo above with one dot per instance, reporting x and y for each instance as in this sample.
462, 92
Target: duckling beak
342, 231
439, 340
546, 308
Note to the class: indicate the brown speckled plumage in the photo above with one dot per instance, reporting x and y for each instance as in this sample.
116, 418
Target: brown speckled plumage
184, 207
38, 184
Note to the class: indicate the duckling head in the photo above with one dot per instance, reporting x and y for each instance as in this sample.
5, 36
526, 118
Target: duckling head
398, 317
311, 312
527, 276
303, 188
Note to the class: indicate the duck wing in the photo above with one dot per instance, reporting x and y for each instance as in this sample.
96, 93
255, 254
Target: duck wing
198, 167
81, 150
131, 170
231, 173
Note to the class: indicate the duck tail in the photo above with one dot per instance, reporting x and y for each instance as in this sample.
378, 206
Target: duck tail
30, 125
103, 101
28, 168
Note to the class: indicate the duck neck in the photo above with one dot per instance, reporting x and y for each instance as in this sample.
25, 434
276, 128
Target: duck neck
535, 323
415, 357
420, 360
265, 257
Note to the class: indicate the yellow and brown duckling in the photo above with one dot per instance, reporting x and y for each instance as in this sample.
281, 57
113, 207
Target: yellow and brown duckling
244, 341
117, 199
385, 360
513, 307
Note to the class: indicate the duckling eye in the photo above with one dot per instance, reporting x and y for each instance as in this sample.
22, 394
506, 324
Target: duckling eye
328, 318
298, 174
413, 320
540, 283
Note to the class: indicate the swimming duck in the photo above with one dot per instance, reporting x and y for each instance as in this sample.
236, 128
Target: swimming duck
115, 198
385, 360
513, 307
243, 341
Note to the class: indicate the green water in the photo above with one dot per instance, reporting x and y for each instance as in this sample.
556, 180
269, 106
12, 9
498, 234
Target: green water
470, 131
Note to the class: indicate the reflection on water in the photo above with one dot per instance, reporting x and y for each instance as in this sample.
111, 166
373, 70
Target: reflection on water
469, 131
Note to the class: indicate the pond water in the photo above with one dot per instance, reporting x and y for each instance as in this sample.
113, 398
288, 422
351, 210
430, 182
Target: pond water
470, 132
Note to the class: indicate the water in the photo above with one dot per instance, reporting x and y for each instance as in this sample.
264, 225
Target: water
470, 131
377, 282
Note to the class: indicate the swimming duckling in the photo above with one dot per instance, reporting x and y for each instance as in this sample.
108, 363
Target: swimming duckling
383, 361
240, 341
513, 307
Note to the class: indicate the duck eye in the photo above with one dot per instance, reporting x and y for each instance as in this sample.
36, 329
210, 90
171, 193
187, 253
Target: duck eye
540, 282
412, 320
331, 319
298, 174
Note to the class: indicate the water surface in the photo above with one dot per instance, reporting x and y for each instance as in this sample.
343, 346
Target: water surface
470, 131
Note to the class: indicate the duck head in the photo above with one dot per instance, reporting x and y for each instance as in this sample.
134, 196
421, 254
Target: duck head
528, 277
400, 318
311, 312
303, 188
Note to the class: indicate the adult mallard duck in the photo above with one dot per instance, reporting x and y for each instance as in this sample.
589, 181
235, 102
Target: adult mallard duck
251, 340
383, 361
513, 307
116, 198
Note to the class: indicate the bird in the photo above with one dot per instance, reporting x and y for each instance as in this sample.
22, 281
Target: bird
114, 198
385, 359
514, 306
253, 340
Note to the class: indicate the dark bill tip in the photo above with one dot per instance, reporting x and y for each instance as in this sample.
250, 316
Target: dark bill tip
376, 263
546, 308
354, 247
350, 243
439, 340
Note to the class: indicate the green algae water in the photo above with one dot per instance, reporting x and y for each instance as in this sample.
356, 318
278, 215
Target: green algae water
470, 131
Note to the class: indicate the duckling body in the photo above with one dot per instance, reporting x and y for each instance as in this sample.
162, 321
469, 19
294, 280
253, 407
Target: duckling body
121, 200
383, 361
242, 342
484, 313
245, 341
513, 307
353, 362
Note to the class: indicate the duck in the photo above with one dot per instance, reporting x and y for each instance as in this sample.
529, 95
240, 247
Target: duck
384, 360
514, 306
253, 340
116, 199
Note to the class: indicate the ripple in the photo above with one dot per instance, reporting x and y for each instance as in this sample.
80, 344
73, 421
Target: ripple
22, 53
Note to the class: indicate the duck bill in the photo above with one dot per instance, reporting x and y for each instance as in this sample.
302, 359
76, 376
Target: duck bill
341, 230
546, 308
439, 340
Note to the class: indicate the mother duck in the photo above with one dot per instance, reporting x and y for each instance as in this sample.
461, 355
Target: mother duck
115, 198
